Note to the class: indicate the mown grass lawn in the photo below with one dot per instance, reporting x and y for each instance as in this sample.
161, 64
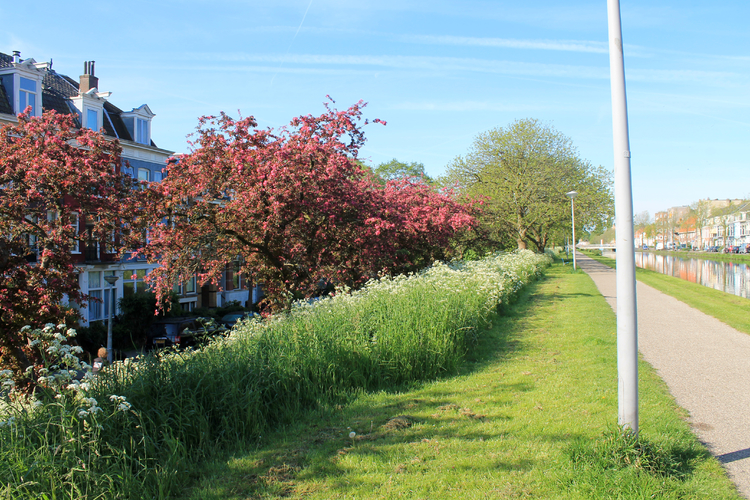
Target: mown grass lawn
532, 415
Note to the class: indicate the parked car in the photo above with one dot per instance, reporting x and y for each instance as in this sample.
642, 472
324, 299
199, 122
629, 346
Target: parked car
645, 247
745, 248
181, 331
229, 320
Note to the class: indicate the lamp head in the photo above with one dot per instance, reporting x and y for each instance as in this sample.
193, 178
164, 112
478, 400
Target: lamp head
571, 194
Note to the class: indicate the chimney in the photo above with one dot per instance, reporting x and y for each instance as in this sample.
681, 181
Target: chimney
16, 56
88, 81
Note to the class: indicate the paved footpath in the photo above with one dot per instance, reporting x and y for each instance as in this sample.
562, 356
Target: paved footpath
705, 363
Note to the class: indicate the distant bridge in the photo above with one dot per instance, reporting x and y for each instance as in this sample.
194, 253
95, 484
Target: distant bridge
589, 246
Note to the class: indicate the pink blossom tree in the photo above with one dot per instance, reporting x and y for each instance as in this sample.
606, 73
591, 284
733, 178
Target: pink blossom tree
293, 206
54, 179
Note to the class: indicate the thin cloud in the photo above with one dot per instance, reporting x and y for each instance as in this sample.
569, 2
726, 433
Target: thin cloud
432, 64
459, 106
678, 76
560, 45
325, 64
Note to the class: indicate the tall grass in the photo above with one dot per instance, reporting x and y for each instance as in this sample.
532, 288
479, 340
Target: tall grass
188, 404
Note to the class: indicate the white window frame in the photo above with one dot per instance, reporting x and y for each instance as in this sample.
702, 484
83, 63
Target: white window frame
138, 284
29, 96
192, 282
142, 135
76, 224
189, 305
105, 295
95, 113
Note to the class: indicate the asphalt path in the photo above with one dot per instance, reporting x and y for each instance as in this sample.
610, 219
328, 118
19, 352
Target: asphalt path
704, 362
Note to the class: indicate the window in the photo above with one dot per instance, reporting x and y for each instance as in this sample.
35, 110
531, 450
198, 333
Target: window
99, 295
233, 279
74, 224
141, 131
27, 95
190, 285
92, 119
31, 239
110, 248
158, 176
144, 174
133, 282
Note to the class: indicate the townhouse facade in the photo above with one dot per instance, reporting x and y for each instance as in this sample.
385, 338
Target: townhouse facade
25, 82
721, 223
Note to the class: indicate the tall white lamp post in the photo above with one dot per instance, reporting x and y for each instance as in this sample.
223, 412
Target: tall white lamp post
572, 195
111, 280
627, 321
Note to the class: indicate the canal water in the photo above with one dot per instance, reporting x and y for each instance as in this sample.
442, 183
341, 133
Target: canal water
728, 277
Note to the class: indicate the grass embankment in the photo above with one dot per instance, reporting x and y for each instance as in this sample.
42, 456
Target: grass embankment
189, 406
726, 307
531, 415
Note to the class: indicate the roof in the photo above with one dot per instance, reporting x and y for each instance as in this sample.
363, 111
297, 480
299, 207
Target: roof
57, 90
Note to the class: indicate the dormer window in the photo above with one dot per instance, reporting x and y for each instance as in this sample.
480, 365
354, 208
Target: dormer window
141, 134
27, 94
138, 123
92, 119
21, 82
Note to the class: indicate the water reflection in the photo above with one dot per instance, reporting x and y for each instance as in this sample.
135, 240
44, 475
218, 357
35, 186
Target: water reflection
728, 277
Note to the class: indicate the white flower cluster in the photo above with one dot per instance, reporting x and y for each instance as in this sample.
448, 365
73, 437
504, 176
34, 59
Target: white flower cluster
93, 407
476, 286
120, 401
62, 372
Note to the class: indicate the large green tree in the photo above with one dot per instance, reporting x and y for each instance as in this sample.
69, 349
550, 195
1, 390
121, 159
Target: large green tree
395, 170
523, 172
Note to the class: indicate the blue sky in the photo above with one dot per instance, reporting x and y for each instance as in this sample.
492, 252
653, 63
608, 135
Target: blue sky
439, 72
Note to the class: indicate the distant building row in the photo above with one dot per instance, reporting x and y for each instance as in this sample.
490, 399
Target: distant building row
709, 223
25, 82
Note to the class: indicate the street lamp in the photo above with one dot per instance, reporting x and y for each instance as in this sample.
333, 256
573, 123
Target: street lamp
111, 280
627, 319
572, 195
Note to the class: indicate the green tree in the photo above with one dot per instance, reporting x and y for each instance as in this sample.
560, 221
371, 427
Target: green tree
395, 169
523, 171
701, 210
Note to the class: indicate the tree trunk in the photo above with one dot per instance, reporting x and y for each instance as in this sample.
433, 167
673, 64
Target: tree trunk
521, 240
